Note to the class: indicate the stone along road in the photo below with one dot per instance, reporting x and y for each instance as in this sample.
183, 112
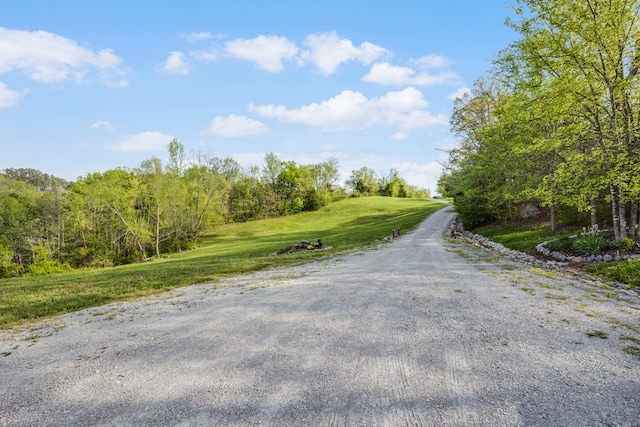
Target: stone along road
418, 332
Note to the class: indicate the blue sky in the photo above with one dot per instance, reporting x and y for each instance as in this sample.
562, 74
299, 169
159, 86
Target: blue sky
90, 86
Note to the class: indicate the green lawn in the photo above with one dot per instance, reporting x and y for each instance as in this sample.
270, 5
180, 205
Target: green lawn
526, 239
623, 271
522, 239
227, 251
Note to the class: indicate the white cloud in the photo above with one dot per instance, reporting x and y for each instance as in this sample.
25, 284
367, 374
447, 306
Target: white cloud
267, 52
433, 61
175, 64
387, 74
461, 92
193, 37
422, 175
406, 100
419, 119
101, 124
328, 51
205, 55
234, 127
399, 136
48, 57
8, 97
143, 141
349, 110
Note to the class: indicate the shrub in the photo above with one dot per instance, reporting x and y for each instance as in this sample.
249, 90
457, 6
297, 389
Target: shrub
6, 254
563, 244
314, 201
626, 243
43, 264
624, 272
590, 240
473, 211
590, 243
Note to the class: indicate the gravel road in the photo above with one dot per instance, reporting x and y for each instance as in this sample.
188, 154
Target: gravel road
418, 332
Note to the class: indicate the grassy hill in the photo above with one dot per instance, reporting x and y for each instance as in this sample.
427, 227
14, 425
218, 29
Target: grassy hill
227, 251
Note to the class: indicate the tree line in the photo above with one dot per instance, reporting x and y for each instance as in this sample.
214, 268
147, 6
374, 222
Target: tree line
556, 125
127, 215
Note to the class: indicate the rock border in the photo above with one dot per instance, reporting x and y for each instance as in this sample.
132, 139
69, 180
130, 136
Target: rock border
542, 249
455, 230
560, 264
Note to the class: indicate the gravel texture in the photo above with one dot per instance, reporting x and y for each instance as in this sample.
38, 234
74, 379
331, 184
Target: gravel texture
420, 331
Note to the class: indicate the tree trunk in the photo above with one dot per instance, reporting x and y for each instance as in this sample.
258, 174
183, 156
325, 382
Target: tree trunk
633, 220
157, 230
622, 207
553, 219
132, 231
615, 213
594, 219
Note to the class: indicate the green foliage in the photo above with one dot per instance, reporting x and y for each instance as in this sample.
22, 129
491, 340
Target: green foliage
288, 188
230, 250
584, 56
626, 243
393, 185
556, 125
7, 267
473, 210
480, 175
176, 158
40, 181
590, 240
623, 271
363, 182
43, 264
563, 244
525, 239
123, 216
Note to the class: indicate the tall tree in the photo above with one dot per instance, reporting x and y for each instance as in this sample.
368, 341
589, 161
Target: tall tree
105, 221
477, 171
363, 182
206, 200
177, 160
591, 48
160, 201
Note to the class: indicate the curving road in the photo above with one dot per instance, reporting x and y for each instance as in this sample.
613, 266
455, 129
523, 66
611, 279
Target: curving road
419, 332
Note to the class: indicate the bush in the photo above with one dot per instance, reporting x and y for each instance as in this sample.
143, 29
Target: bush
338, 194
590, 240
625, 271
314, 201
564, 244
626, 243
590, 244
43, 264
473, 211
8, 268
6, 253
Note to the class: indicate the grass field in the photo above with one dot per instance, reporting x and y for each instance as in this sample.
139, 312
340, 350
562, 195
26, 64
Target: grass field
227, 251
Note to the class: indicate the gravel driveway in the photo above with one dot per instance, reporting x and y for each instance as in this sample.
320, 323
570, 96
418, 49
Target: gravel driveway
418, 332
